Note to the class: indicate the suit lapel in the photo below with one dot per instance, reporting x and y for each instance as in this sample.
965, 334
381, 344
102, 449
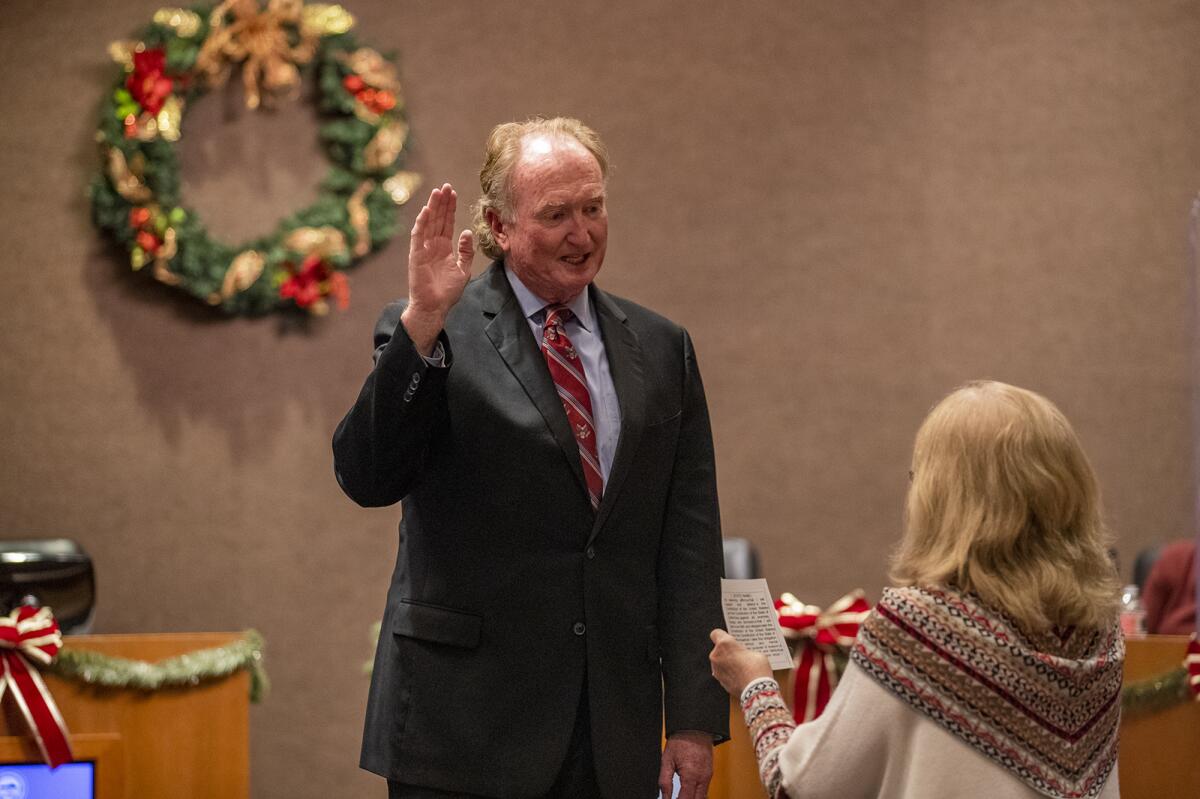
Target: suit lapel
510, 335
625, 362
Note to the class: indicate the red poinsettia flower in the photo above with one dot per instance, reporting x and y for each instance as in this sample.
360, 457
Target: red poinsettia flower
148, 83
309, 285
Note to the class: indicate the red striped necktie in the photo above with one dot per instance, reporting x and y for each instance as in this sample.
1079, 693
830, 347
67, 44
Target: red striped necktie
566, 368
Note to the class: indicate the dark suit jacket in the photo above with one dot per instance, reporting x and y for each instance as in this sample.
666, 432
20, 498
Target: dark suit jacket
509, 593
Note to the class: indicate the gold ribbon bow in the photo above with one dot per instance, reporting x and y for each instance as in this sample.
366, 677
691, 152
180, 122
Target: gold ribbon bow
258, 39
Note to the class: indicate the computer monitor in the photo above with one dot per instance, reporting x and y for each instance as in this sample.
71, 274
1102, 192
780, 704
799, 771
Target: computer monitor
36, 781
97, 772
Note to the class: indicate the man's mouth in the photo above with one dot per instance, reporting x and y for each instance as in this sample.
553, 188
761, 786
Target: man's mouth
575, 260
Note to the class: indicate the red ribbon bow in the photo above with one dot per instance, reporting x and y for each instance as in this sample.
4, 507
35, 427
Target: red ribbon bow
1192, 661
819, 633
30, 632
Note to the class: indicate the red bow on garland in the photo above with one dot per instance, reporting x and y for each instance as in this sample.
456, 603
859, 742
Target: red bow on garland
820, 633
30, 632
1192, 661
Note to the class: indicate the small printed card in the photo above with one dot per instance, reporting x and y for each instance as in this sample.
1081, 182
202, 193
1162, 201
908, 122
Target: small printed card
750, 617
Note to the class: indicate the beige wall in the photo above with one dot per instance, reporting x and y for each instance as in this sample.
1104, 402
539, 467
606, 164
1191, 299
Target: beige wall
853, 206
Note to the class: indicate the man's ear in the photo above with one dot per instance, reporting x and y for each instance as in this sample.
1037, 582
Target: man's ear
499, 232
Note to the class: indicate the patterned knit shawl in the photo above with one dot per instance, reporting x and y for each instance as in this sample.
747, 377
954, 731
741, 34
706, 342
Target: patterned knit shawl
1046, 708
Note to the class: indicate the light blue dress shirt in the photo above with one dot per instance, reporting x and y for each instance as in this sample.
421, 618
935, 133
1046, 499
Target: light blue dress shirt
584, 331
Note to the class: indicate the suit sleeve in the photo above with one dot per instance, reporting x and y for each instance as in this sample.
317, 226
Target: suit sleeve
690, 567
381, 445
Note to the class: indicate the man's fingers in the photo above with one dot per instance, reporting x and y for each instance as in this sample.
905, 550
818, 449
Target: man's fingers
432, 218
466, 250
666, 773
437, 211
691, 787
421, 223
450, 207
442, 204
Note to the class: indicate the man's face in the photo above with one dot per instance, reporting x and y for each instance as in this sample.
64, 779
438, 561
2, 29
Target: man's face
556, 238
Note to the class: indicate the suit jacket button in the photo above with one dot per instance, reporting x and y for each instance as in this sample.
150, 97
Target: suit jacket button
580, 628
591, 553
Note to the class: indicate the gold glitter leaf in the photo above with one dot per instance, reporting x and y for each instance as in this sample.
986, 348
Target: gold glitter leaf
169, 117
122, 53
373, 68
322, 19
324, 241
185, 23
401, 186
161, 258
385, 146
127, 178
360, 217
243, 270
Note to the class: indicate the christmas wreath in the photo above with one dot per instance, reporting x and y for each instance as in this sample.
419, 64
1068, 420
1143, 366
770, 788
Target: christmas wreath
185, 52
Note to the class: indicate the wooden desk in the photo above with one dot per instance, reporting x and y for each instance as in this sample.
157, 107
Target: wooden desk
1160, 754
190, 743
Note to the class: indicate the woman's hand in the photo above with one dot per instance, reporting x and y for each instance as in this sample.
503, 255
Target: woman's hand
734, 665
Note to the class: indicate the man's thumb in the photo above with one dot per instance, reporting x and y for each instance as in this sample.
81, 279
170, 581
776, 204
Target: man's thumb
466, 249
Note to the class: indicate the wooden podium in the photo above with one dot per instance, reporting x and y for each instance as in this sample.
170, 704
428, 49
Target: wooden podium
185, 743
1160, 753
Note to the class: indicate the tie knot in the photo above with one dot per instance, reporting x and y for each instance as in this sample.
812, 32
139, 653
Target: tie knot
558, 314
556, 317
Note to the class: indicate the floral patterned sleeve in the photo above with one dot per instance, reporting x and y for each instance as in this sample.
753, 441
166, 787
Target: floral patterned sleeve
771, 725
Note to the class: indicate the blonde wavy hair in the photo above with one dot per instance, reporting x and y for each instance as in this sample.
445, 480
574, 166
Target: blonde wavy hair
1004, 503
501, 155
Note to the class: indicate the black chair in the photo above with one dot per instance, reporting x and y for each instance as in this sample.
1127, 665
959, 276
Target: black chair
49, 572
1143, 563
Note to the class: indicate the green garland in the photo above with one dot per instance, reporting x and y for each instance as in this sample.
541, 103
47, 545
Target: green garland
1156, 694
94, 668
136, 197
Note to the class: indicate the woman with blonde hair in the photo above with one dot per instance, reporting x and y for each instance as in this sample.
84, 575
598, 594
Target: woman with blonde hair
994, 667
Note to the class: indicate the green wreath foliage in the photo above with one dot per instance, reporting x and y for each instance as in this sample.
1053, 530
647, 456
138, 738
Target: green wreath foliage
174, 61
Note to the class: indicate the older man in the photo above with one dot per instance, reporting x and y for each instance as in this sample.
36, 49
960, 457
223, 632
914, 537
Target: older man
560, 554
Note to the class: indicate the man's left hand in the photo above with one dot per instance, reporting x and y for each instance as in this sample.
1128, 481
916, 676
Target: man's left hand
690, 754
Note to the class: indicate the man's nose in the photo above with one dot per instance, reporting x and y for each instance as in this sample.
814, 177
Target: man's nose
577, 232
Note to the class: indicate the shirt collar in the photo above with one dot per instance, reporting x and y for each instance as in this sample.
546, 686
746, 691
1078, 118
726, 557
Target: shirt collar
532, 304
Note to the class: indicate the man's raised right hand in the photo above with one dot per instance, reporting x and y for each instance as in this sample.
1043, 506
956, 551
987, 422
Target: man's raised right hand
437, 270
